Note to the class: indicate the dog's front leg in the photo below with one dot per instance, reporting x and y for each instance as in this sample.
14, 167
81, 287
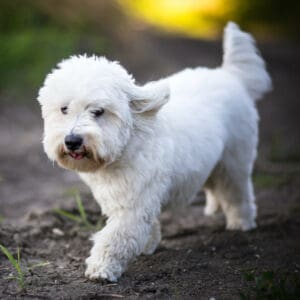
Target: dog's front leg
123, 238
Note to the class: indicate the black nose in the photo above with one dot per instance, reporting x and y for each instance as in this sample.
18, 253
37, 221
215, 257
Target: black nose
73, 141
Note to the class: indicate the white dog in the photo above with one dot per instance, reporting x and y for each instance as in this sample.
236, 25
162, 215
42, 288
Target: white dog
137, 147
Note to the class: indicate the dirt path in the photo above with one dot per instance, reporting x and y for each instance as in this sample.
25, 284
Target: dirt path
197, 257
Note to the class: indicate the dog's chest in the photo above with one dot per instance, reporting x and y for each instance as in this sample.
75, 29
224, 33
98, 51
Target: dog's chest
111, 192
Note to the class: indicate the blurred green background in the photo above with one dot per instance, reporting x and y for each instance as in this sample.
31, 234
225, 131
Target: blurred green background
36, 34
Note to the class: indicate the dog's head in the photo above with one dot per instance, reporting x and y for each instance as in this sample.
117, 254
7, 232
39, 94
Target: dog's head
89, 106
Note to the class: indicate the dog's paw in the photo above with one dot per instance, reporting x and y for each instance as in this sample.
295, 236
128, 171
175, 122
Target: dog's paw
239, 224
96, 270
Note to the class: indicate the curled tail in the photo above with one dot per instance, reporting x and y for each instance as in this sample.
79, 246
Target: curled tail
242, 59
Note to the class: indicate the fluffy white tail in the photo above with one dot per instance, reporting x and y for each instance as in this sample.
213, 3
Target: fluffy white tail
242, 59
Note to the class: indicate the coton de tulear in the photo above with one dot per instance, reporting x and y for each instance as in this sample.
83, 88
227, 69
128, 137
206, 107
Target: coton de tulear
138, 147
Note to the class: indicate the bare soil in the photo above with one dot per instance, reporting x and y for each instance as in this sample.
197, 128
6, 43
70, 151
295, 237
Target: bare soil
197, 258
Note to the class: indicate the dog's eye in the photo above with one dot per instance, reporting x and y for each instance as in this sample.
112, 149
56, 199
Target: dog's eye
64, 110
98, 112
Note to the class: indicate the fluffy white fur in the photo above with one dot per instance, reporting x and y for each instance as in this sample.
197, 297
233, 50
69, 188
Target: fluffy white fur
157, 143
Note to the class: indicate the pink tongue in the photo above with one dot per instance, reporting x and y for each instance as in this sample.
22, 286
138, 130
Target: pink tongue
76, 156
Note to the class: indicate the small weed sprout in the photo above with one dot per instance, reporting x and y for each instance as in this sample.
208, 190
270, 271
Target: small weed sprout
82, 211
16, 263
272, 285
82, 217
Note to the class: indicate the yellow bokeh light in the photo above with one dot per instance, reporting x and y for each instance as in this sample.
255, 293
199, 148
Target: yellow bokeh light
195, 18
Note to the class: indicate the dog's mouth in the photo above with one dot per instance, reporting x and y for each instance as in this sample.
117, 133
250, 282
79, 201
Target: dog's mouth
77, 154
84, 159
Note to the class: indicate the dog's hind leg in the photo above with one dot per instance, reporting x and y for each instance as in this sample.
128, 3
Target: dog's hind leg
212, 206
238, 203
231, 189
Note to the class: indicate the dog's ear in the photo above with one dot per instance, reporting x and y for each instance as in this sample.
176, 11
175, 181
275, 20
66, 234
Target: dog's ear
150, 97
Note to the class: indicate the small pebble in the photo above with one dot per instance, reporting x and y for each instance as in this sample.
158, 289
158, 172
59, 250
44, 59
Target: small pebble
58, 232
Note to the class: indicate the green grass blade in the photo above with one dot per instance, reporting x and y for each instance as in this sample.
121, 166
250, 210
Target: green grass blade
10, 257
82, 211
10, 277
81, 208
18, 255
38, 265
71, 192
15, 264
82, 218
68, 215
